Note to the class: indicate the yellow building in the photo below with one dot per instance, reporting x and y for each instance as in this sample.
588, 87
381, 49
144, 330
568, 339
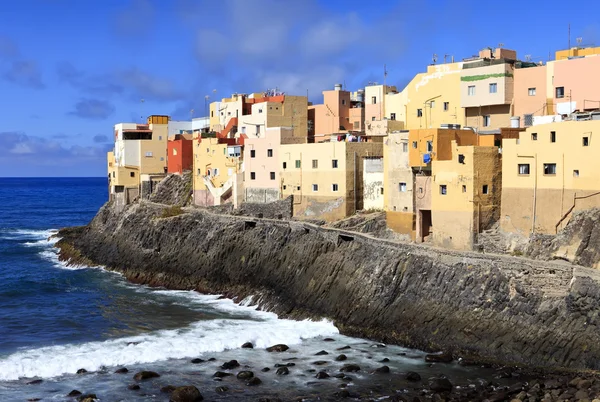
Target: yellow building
326, 179
465, 195
217, 168
549, 172
576, 52
139, 158
398, 184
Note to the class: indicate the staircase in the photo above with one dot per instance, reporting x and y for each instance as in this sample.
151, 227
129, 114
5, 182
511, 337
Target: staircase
230, 127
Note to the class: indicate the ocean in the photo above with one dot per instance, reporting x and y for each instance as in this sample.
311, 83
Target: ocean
56, 320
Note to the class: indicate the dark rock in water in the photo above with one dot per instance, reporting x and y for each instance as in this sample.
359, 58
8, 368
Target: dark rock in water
278, 348
134, 387
283, 371
81, 371
221, 389
339, 375
328, 340
35, 382
385, 360
132, 343
230, 365
311, 371
212, 359
341, 358
74, 393
382, 370
196, 361
320, 363
121, 370
264, 370
440, 385
167, 389
220, 374
343, 394
412, 376
277, 365
344, 348
438, 358
188, 393
321, 353
254, 381
350, 368
87, 398
145, 375
33, 400
290, 358
378, 345
347, 378
248, 345
321, 375
244, 375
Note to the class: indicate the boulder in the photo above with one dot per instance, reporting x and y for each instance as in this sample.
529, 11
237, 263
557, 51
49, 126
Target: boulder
321, 353
248, 345
74, 393
341, 358
121, 370
221, 389
350, 368
35, 382
187, 393
382, 370
283, 371
384, 360
196, 361
230, 365
440, 385
264, 370
344, 348
133, 387
145, 375
82, 371
244, 375
320, 362
328, 340
87, 398
438, 358
412, 376
220, 374
278, 348
322, 375
254, 381
167, 389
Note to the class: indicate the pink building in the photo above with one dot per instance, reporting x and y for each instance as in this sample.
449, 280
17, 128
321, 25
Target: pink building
338, 114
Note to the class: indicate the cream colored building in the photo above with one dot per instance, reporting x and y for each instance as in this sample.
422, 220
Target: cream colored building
326, 179
139, 159
548, 173
465, 195
217, 167
375, 97
398, 183
373, 190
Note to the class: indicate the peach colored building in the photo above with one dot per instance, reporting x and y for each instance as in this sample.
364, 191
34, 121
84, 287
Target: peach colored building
338, 114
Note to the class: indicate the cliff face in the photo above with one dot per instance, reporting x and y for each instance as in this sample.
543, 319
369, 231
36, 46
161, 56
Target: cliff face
499, 308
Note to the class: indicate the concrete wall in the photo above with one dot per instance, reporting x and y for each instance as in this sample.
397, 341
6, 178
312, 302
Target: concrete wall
524, 103
480, 78
441, 141
398, 183
499, 117
263, 167
180, 155
551, 195
373, 190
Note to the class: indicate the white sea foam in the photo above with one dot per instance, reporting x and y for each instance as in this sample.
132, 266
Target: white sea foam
26, 234
201, 337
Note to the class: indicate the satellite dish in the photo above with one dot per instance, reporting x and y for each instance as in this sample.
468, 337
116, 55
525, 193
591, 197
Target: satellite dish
528, 57
579, 40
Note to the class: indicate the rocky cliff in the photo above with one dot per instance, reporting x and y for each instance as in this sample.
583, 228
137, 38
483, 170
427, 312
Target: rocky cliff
488, 307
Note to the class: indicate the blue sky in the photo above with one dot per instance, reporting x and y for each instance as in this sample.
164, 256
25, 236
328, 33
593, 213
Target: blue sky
71, 69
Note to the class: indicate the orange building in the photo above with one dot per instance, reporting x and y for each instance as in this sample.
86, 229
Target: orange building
180, 155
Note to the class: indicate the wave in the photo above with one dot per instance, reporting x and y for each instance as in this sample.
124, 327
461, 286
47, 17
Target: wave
200, 338
28, 234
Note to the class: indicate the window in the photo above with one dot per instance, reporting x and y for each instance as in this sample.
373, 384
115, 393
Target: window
402, 187
272, 174
334, 163
464, 188
160, 137
252, 175
315, 163
415, 144
420, 190
298, 188
243, 129
487, 120
162, 158
493, 88
381, 190
373, 118
419, 112
404, 147
252, 153
175, 151
334, 187
528, 120
374, 100
315, 187
429, 146
484, 190
471, 90
148, 154
392, 116
259, 110
549, 168
446, 106
343, 101
228, 113
257, 129
284, 165
212, 113
552, 136
356, 125
576, 173
298, 164
443, 189
560, 92
531, 92
284, 187
523, 168
131, 174
586, 141
269, 153
113, 175
199, 172
461, 158
533, 136
215, 172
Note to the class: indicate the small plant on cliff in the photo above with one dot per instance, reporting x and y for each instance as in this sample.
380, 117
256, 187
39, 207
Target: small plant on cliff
171, 211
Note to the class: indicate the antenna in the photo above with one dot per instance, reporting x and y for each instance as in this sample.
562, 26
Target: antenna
385, 73
579, 40
142, 107
434, 58
500, 45
527, 57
